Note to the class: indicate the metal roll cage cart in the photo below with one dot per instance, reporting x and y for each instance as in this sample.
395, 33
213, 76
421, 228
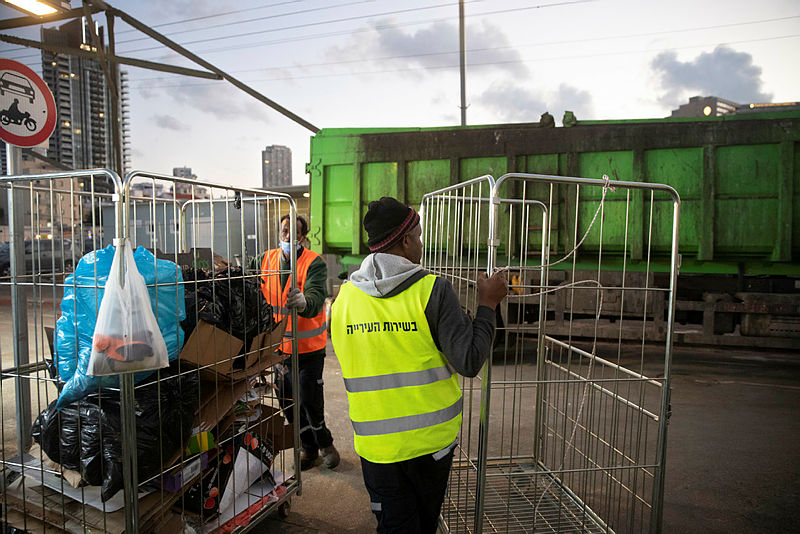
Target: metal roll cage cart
65, 192
565, 428
232, 228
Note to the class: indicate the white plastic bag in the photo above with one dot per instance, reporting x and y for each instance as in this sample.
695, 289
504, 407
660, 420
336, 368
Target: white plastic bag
126, 335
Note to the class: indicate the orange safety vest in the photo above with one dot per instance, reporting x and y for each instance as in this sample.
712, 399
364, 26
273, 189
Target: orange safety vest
311, 333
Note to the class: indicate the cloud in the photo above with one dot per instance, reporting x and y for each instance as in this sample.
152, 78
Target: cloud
180, 9
515, 103
146, 92
724, 73
219, 99
169, 122
432, 47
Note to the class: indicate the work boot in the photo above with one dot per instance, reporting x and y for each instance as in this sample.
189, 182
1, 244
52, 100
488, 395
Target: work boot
307, 459
330, 457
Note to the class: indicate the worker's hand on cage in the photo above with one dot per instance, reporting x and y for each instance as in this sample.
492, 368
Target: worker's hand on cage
492, 290
296, 299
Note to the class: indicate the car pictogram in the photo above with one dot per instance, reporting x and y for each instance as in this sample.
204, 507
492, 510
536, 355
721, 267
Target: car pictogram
14, 83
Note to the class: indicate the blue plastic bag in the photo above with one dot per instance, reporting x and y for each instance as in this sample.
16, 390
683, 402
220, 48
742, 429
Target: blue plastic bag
79, 307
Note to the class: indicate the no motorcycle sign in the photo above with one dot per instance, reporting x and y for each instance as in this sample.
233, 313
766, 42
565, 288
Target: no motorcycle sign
27, 107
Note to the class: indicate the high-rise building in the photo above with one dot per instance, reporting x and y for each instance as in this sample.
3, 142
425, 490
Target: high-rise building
83, 136
3, 161
186, 191
276, 166
125, 119
184, 172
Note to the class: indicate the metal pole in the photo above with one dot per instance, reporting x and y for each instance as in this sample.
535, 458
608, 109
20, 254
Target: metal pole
122, 60
295, 363
112, 82
538, 431
657, 515
116, 124
463, 60
19, 301
486, 379
129, 459
130, 472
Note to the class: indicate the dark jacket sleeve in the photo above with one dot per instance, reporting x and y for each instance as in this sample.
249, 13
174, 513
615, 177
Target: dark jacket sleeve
315, 288
255, 263
465, 343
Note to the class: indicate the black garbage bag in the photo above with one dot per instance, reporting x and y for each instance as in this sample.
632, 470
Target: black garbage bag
198, 306
85, 436
228, 300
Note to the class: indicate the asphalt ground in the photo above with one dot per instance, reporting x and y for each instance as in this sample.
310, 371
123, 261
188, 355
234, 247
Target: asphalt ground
732, 459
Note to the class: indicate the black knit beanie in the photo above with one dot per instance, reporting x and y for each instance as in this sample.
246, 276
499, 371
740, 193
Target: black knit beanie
386, 221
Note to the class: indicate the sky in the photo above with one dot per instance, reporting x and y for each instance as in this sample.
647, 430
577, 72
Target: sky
383, 63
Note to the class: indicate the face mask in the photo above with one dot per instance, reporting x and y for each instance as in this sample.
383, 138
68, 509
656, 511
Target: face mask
286, 247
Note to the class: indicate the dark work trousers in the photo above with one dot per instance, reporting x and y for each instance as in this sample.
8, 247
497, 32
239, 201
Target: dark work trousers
314, 434
406, 497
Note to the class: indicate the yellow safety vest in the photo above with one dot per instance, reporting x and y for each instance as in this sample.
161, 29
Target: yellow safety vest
404, 396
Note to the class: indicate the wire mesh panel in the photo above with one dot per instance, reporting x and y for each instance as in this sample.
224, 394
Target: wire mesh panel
203, 443
54, 220
455, 228
573, 405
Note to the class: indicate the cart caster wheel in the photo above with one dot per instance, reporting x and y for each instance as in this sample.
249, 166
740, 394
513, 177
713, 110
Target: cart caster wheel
284, 509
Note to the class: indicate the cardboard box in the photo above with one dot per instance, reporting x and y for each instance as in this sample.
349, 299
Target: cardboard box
272, 425
213, 350
217, 401
180, 476
57, 510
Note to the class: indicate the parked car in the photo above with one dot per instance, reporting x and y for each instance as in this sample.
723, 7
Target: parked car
4, 259
42, 256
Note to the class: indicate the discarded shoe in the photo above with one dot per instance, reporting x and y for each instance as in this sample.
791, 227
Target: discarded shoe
307, 459
330, 457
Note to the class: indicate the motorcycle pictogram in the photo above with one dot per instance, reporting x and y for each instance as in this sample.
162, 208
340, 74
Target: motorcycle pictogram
15, 116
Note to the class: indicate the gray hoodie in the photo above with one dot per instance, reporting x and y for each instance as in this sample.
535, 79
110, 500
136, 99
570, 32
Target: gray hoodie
464, 342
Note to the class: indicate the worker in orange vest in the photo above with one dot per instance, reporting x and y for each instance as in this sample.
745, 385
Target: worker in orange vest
308, 298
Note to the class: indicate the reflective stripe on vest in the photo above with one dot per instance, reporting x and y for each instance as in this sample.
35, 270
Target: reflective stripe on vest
280, 310
306, 334
397, 380
408, 422
404, 397
311, 333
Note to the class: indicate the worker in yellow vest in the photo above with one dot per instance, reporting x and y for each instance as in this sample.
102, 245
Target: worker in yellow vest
308, 298
402, 338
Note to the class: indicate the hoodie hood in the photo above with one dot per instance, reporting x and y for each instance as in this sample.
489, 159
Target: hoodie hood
381, 273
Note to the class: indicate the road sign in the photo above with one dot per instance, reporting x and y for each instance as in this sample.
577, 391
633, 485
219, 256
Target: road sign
27, 107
